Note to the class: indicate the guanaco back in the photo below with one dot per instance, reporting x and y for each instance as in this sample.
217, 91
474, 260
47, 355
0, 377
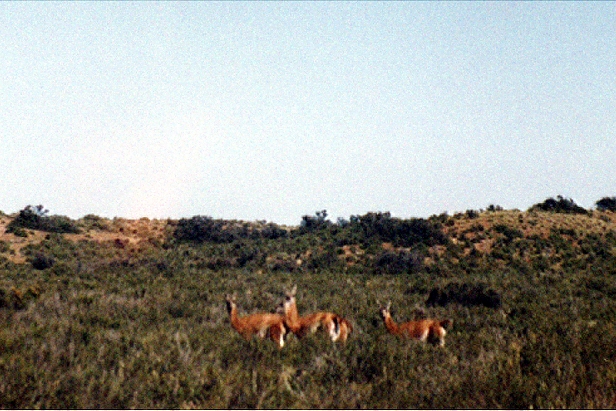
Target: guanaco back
426, 330
260, 325
337, 327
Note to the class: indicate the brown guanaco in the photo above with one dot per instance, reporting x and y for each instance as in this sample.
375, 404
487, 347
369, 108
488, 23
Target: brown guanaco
425, 330
337, 327
261, 324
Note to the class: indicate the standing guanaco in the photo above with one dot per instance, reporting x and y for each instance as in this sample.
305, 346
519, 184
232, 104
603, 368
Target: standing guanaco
336, 326
426, 330
261, 324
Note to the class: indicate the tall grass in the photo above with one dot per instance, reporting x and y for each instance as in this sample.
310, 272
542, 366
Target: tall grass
105, 329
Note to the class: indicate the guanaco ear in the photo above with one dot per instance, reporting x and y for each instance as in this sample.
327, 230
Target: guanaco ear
290, 293
388, 305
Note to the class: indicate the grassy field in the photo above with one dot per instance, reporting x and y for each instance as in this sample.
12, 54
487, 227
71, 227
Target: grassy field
124, 316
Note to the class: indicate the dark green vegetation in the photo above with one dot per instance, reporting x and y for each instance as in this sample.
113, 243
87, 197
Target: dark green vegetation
36, 218
131, 314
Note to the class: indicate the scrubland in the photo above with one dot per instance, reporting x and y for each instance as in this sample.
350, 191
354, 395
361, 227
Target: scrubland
113, 313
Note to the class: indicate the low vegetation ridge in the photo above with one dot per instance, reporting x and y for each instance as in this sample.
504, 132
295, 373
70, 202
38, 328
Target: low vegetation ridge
116, 313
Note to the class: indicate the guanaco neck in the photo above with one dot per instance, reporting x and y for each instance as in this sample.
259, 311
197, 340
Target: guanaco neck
291, 314
232, 308
391, 326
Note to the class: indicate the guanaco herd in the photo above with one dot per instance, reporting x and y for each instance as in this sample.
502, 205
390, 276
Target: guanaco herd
287, 320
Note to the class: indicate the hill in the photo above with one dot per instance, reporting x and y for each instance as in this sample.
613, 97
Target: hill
493, 238
118, 313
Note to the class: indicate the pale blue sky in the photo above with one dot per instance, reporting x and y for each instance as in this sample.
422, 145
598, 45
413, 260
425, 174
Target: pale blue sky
273, 110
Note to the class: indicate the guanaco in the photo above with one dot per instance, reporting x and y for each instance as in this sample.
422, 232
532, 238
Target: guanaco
337, 327
426, 330
261, 324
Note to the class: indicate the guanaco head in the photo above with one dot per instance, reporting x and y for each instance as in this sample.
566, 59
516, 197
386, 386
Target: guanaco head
289, 300
290, 294
385, 313
230, 302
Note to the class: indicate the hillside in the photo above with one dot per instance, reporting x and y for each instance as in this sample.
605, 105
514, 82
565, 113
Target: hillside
116, 313
132, 235
472, 235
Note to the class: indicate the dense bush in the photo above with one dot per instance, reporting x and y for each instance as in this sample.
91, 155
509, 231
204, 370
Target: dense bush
16, 299
92, 221
5, 247
313, 223
200, 229
509, 234
42, 262
398, 262
369, 228
471, 214
607, 204
464, 294
36, 218
204, 229
382, 227
559, 205
270, 231
322, 259
11, 300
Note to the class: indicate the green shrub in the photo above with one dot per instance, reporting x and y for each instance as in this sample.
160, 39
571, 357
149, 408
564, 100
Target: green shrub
322, 259
42, 262
281, 261
17, 231
200, 229
36, 218
508, 231
16, 299
398, 262
314, 223
464, 294
559, 205
5, 247
472, 214
204, 229
95, 222
270, 231
382, 227
607, 204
